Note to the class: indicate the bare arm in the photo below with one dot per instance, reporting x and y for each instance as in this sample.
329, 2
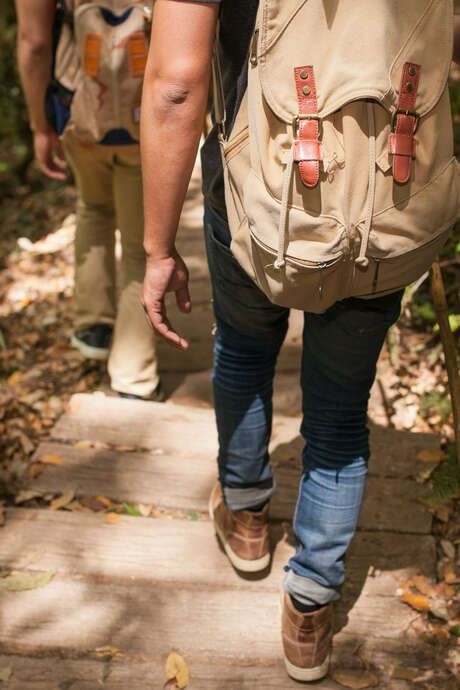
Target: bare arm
35, 21
173, 106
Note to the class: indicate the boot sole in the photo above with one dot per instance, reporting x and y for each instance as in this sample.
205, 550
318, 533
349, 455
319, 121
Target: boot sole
242, 564
89, 351
299, 672
307, 674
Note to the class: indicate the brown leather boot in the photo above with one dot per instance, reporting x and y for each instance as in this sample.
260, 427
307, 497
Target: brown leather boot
244, 534
307, 640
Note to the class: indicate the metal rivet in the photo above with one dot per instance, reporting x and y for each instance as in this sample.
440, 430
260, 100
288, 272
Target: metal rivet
306, 90
304, 74
412, 71
409, 86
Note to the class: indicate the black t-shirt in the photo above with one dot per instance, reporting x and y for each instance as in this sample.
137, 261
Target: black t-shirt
237, 19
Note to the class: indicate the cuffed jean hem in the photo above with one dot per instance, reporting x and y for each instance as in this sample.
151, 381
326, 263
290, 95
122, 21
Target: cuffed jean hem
242, 499
308, 591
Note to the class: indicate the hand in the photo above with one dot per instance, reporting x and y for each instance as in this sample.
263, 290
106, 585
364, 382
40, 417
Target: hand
162, 276
49, 154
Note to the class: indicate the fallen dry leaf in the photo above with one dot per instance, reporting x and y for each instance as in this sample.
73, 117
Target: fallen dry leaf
421, 583
439, 610
448, 548
362, 655
99, 445
440, 510
62, 501
82, 444
96, 503
35, 469
431, 455
107, 650
112, 518
50, 459
441, 635
76, 506
27, 445
170, 684
24, 581
26, 495
450, 575
14, 379
125, 449
416, 601
6, 672
177, 669
355, 679
143, 509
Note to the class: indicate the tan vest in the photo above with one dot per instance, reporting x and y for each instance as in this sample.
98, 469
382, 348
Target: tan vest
104, 65
340, 175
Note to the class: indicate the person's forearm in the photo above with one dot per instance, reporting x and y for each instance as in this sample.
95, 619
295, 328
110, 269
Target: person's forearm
34, 60
171, 127
174, 101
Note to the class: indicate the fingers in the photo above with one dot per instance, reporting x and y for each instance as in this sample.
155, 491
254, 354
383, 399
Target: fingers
183, 300
59, 153
165, 330
49, 155
161, 325
52, 170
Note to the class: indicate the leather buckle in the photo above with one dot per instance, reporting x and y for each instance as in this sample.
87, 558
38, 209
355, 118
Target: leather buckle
296, 122
408, 113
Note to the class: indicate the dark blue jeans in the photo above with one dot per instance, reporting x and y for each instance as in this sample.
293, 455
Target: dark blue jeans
340, 352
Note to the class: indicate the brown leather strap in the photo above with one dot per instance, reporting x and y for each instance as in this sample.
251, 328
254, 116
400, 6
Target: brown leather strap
307, 147
402, 142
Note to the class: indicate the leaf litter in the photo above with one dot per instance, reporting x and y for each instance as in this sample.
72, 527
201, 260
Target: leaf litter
6, 672
357, 679
20, 582
177, 671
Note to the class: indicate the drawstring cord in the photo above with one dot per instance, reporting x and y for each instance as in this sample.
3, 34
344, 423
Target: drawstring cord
282, 229
361, 259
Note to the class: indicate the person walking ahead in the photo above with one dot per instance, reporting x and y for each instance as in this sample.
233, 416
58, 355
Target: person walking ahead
340, 346
91, 114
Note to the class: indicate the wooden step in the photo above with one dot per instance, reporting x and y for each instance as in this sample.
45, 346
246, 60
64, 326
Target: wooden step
88, 674
108, 419
71, 615
139, 586
165, 550
174, 477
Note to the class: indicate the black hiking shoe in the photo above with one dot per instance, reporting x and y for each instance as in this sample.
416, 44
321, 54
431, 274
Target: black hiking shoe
158, 395
93, 342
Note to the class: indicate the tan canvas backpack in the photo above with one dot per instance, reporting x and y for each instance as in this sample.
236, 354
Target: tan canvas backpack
340, 175
100, 61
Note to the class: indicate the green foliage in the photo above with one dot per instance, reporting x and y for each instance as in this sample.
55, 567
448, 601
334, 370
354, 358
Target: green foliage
440, 402
191, 515
445, 479
423, 312
129, 509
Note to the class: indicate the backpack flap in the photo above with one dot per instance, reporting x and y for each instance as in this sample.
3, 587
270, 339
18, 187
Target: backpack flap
357, 49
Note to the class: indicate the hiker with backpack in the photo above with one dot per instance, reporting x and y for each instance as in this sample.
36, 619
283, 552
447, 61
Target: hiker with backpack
329, 184
82, 69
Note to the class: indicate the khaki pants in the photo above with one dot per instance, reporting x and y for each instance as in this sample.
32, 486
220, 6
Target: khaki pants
109, 182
